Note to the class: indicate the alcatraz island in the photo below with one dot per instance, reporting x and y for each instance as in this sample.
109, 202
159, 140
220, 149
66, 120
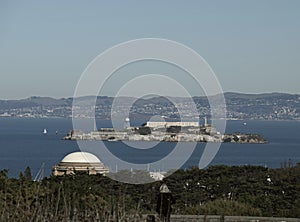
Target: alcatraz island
166, 131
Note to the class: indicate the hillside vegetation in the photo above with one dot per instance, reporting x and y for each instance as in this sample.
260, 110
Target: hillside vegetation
221, 190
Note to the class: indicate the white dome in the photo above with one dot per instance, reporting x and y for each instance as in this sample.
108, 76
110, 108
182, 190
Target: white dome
80, 157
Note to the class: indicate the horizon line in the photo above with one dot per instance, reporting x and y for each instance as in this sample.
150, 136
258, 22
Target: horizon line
154, 96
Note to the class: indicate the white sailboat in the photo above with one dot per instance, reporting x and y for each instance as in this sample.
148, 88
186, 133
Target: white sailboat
45, 131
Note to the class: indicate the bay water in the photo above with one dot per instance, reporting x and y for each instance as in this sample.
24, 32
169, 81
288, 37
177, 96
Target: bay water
23, 144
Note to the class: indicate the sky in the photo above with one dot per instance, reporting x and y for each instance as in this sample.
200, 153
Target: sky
252, 46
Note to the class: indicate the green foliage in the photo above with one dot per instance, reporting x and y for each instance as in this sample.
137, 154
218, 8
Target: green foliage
174, 129
134, 177
144, 130
227, 140
224, 207
27, 173
222, 190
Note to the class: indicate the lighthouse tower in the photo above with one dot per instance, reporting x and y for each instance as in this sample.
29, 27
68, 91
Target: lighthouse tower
205, 121
127, 123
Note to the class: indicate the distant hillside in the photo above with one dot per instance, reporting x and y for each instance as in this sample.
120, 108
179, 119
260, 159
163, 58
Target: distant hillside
263, 106
269, 106
34, 101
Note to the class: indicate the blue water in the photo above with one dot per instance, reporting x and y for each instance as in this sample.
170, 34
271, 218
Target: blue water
22, 144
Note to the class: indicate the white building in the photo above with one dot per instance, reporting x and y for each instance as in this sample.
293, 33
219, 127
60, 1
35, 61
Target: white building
79, 162
157, 176
168, 124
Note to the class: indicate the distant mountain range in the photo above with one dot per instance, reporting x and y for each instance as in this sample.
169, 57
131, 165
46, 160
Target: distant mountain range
268, 106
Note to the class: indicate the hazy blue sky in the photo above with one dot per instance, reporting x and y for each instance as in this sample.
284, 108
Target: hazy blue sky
253, 46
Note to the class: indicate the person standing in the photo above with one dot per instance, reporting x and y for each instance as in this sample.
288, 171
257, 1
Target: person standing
164, 203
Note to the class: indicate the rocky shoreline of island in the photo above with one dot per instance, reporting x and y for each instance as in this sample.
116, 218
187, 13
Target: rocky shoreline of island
226, 138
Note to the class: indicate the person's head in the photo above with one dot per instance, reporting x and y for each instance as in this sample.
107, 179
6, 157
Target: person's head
164, 188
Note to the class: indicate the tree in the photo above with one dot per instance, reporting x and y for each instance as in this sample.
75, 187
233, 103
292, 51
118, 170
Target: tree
225, 207
27, 173
144, 130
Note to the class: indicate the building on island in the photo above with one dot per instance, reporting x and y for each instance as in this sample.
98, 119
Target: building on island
164, 124
79, 162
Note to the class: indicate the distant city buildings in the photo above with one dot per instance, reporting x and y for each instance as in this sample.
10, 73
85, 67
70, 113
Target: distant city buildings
273, 106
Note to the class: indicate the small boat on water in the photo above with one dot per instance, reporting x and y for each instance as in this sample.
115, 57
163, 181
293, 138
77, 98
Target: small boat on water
45, 131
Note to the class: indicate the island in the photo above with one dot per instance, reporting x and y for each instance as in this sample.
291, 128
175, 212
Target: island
166, 131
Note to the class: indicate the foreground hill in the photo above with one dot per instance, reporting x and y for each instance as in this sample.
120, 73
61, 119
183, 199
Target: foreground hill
218, 190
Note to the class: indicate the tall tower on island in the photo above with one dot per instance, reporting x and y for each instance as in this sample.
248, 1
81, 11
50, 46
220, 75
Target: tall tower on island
127, 123
205, 121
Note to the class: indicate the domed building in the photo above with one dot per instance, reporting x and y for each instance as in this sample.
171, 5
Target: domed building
79, 162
